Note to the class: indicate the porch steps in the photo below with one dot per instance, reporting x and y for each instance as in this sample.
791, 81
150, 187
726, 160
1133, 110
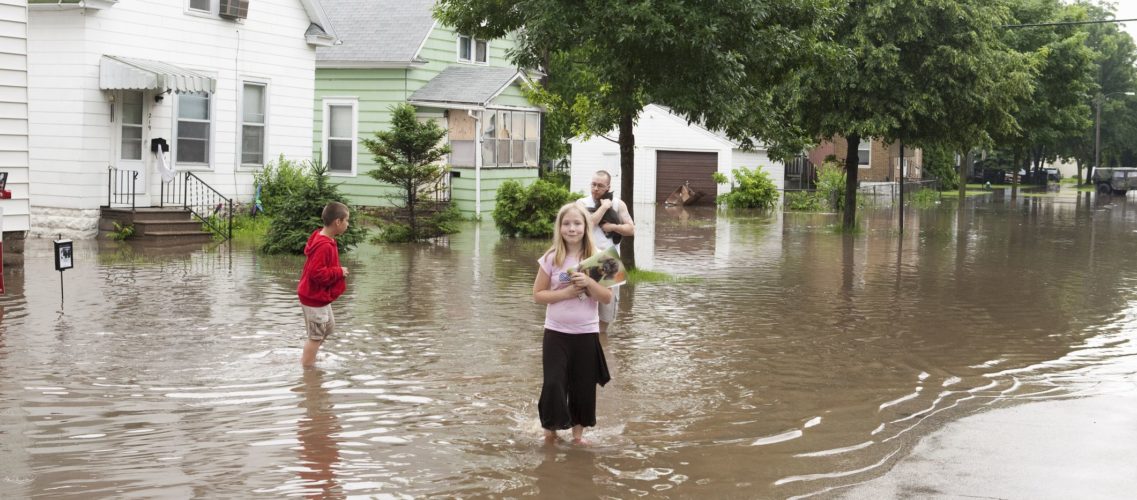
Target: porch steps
175, 226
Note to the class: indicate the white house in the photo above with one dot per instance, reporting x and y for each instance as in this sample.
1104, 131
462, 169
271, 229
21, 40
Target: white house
14, 118
669, 152
228, 84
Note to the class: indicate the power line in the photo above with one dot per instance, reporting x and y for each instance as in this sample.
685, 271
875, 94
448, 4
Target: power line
1066, 23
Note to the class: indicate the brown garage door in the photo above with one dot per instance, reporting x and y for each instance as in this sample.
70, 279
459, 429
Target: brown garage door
673, 168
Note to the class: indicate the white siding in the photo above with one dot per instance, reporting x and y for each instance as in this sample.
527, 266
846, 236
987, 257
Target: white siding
756, 159
71, 132
655, 130
14, 113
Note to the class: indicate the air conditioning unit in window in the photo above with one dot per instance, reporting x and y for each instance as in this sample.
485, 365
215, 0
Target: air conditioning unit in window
234, 9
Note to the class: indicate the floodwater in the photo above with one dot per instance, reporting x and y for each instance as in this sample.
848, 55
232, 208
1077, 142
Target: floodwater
791, 361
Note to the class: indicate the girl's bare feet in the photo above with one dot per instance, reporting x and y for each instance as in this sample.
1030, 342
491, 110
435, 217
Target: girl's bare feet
578, 435
550, 437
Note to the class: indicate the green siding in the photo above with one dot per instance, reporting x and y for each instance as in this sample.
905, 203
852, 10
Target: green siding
378, 90
512, 96
462, 188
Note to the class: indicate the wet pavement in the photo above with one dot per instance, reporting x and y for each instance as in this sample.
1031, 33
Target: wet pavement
791, 361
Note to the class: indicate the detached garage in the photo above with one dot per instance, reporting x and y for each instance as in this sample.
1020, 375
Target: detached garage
669, 152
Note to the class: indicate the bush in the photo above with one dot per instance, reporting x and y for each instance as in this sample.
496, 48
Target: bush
803, 201
755, 189
280, 181
300, 215
831, 185
529, 212
939, 163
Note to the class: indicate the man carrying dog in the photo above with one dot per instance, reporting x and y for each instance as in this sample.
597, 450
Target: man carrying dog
614, 226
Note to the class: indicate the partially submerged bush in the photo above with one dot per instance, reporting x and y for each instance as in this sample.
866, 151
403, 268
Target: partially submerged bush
529, 212
280, 181
300, 215
750, 189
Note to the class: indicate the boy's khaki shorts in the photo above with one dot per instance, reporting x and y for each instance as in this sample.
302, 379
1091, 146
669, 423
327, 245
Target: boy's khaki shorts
319, 321
607, 312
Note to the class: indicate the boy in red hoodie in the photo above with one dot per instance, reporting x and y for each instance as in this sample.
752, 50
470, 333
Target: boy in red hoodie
322, 279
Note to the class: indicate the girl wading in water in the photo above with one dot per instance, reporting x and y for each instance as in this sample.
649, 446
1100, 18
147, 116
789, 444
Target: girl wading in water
572, 358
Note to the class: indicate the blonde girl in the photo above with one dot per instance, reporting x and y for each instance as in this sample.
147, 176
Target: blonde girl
572, 358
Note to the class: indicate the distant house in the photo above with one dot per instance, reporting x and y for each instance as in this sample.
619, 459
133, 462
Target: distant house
393, 52
878, 162
669, 153
227, 84
14, 119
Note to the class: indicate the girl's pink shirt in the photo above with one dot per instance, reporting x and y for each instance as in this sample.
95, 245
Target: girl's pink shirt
571, 315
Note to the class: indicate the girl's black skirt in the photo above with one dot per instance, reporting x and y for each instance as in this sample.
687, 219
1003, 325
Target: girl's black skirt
573, 365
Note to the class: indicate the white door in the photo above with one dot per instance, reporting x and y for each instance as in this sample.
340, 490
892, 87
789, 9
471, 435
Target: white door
130, 138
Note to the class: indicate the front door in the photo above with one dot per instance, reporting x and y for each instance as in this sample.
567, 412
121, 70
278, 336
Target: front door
130, 140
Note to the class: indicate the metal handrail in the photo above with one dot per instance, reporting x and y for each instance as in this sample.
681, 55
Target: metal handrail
204, 202
117, 178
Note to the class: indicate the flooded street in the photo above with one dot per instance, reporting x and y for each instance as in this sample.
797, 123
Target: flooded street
790, 360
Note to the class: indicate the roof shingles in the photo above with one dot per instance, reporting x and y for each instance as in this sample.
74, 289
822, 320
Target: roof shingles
377, 31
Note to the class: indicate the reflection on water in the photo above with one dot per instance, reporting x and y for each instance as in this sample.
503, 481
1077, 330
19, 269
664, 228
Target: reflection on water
798, 360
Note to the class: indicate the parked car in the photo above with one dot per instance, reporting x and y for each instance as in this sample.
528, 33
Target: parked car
1115, 180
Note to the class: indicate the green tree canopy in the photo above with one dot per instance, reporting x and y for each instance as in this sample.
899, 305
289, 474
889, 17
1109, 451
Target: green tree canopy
713, 62
917, 71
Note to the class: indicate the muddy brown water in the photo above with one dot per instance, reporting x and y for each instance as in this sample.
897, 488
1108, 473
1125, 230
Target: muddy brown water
790, 361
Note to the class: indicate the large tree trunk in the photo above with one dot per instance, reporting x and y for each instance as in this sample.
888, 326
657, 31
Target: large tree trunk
851, 167
1078, 163
964, 170
627, 178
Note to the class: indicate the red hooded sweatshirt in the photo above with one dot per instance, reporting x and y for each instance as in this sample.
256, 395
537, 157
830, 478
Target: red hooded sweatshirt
322, 281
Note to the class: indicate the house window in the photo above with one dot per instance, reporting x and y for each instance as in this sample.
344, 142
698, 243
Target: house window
340, 131
472, 50
204, 6
254, 107
130, 146
511, 138
193, 126
864, 154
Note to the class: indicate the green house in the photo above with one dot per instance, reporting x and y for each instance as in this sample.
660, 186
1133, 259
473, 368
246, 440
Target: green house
394, 51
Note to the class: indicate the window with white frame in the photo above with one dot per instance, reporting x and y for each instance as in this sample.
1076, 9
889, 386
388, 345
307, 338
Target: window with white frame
192, 138
864, 154
511, 138
254, 109
472, 50
340, 131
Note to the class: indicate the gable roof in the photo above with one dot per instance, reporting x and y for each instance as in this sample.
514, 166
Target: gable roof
466, 85
377, 33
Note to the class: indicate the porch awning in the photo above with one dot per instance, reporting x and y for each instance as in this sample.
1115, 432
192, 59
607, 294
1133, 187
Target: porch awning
125, 73
465, 85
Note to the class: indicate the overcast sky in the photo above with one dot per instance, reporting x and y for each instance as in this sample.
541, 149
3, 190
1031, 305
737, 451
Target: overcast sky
1127, 9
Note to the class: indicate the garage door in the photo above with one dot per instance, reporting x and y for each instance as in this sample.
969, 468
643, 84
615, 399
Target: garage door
673, 168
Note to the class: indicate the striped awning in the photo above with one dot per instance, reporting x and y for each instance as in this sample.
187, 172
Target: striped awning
126, 73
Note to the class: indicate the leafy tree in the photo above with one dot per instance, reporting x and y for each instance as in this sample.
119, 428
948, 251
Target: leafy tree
916, 71
1114, 57
408, 156
1057, 108
529, 212
299, 215
712, 62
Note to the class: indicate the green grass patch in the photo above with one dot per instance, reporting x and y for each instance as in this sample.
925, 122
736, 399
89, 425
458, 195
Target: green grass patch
969, 193
250, 229
646, 276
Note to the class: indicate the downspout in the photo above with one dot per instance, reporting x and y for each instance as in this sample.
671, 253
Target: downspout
477, 162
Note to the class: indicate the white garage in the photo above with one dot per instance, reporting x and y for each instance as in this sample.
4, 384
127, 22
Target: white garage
669, 152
